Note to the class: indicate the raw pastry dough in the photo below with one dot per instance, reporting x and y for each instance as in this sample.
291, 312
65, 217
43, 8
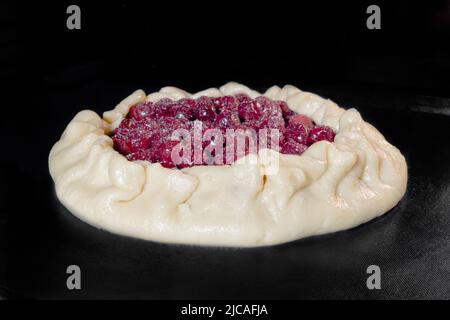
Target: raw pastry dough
330, 187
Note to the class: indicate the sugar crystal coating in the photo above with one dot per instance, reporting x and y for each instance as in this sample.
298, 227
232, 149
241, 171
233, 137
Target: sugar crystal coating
147, 131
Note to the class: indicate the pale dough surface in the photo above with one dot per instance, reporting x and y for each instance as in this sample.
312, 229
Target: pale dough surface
331, 187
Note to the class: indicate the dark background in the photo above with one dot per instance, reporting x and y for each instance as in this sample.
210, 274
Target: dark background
398, 77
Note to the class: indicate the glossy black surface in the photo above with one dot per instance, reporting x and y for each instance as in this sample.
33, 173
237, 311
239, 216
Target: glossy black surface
399, 86
410, 243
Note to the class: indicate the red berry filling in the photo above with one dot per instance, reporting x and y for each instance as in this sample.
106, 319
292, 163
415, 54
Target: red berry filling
147, 132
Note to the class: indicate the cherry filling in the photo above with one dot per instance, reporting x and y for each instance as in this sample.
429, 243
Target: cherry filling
147, 132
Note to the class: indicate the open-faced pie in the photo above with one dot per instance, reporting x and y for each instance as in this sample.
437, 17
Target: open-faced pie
227, 166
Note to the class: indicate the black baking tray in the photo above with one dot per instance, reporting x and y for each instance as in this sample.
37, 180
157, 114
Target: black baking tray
410, 243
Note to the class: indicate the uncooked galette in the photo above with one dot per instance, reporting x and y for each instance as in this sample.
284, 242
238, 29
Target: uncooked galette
227, 167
